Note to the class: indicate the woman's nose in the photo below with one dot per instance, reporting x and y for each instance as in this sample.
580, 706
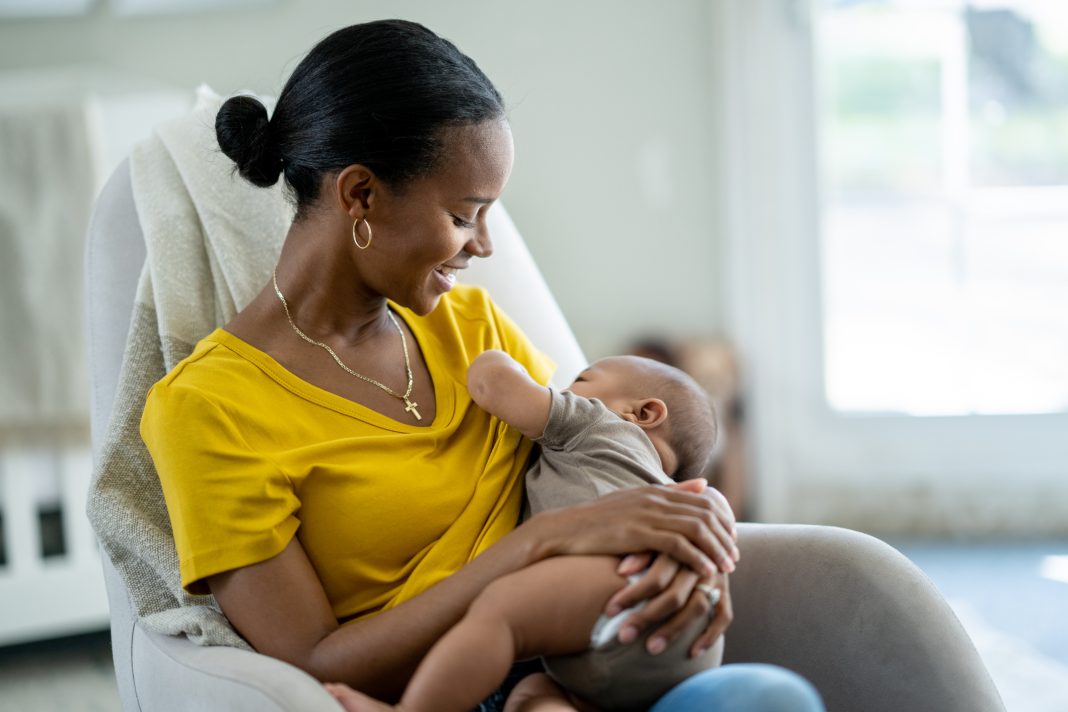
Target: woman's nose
481, 245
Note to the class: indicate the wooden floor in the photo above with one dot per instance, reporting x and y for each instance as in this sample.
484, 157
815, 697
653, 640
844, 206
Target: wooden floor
67, 675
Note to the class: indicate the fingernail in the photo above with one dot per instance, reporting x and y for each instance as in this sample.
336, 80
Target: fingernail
613, 610
736, 554
728, 565
624, 564
699, 652
628, 634
656, 646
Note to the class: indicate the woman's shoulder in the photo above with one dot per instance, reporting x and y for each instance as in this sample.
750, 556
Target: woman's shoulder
214, 370
470, 317
468, 311
468, 300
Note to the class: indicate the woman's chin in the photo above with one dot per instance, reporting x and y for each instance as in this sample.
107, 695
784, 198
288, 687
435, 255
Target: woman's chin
425, 304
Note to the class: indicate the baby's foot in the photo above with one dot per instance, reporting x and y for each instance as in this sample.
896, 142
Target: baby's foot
354, 701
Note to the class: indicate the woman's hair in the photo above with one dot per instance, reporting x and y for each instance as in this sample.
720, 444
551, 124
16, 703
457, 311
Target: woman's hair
379, 94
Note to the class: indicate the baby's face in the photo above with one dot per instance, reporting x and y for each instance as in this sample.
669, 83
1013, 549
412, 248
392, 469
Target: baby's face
611, 380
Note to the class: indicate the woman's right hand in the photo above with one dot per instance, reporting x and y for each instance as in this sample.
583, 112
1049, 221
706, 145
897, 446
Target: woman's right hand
677, 520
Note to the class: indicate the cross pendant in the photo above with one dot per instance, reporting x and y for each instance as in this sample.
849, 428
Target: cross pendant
410, 407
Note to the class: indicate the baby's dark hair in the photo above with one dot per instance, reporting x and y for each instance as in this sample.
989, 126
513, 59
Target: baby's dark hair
378, 94
692, 428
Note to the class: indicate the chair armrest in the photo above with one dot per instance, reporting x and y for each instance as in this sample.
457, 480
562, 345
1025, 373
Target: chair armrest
174, 674
855, 617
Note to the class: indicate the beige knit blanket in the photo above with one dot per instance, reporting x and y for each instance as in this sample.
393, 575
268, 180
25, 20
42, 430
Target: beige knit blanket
211, 239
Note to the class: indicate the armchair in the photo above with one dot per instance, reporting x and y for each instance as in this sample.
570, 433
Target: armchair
843, 609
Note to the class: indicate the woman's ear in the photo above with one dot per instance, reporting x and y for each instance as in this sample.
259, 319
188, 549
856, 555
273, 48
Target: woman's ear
355, 188
648, 413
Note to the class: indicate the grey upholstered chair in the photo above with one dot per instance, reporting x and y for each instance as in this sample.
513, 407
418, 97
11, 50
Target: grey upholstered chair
843, 609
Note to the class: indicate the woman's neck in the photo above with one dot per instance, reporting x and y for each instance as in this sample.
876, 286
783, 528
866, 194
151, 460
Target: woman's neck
323, 290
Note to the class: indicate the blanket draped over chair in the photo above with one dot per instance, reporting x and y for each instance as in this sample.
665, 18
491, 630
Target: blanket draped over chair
211, 240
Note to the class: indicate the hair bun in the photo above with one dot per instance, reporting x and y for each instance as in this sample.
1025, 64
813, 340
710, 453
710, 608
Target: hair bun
243, 131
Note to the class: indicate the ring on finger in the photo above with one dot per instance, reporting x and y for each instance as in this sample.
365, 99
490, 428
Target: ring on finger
710, 591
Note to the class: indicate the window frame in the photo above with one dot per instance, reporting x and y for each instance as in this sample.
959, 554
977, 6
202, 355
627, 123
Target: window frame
886, 472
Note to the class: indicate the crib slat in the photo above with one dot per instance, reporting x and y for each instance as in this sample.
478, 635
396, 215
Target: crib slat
22, 531
62, 595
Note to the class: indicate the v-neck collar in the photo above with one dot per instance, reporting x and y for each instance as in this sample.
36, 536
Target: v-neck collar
444, 386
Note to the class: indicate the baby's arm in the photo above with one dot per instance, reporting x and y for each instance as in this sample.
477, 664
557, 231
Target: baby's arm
502, 387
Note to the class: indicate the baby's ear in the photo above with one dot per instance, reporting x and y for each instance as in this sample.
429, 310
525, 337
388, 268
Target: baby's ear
648, 413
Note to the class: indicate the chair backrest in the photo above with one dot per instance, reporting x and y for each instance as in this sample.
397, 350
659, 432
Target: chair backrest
115, 252
114, 259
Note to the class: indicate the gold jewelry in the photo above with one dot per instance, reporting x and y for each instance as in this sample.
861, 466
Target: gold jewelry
712, 593
370, 235
409, 405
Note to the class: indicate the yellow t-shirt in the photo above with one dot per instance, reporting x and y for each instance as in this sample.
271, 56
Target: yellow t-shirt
249, 455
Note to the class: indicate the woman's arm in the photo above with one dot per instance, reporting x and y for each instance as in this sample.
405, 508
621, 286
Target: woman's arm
280, 607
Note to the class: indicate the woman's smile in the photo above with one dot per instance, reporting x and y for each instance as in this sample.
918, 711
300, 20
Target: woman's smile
446, 277
446, 274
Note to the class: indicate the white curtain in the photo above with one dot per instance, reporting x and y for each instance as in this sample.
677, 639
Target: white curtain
46, 187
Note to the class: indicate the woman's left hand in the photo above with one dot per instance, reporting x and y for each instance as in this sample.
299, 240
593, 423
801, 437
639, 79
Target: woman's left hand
672, 588
678, 603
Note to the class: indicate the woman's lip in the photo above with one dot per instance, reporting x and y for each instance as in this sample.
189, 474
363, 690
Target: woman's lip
444, 283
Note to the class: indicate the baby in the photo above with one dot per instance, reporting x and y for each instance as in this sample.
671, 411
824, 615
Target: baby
624, 422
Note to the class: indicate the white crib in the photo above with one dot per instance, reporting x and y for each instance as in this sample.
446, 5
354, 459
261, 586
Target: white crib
61, 593
51, 583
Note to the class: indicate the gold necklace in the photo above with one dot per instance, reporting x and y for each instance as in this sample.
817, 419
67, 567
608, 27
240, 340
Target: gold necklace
409, 405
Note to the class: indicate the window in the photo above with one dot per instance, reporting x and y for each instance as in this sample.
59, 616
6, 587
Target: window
944, 238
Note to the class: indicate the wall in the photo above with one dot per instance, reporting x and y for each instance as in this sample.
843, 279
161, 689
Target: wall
614, 186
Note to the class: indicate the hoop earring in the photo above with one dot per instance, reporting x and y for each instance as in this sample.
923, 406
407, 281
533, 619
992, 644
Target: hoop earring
370, 235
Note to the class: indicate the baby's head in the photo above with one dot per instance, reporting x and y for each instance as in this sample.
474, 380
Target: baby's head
672, 409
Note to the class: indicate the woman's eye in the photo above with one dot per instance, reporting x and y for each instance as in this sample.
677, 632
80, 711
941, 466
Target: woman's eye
460, 222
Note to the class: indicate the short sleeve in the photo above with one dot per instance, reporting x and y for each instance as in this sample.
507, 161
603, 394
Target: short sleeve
229, 505
571, 417
516, 344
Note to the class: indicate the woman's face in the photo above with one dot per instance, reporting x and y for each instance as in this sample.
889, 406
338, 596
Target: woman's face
428, 232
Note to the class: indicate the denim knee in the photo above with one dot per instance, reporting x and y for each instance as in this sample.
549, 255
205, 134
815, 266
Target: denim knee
783, 690
747, 687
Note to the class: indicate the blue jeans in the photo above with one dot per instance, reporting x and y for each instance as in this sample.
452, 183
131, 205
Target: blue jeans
742, 687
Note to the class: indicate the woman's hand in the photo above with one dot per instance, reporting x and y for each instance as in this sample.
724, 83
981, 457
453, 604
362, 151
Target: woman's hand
722, 508
722, 617
674, 601
682, 521
670, 587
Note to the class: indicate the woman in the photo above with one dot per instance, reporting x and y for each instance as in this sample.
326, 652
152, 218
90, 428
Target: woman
333, 404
